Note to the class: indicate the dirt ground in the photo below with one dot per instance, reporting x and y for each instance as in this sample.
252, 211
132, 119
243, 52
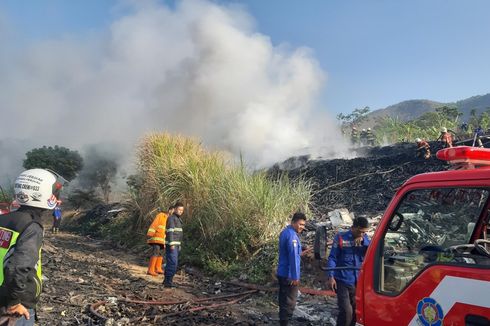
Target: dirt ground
81, 272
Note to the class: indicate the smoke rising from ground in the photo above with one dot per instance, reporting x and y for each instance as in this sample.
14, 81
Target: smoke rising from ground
198, 69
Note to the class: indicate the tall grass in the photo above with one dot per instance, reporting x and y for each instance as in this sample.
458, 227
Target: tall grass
230, 212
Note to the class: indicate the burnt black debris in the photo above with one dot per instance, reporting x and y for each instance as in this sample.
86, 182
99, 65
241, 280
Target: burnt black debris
364, 184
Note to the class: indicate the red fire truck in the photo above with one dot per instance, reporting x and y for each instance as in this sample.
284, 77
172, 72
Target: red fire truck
429, 260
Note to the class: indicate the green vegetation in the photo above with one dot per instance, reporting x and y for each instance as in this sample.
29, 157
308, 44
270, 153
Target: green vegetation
428, 126
357, 117
231, 214
59, 159
6, 195
98, 173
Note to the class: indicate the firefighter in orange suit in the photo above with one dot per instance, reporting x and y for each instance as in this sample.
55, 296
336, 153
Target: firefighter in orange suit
156, 239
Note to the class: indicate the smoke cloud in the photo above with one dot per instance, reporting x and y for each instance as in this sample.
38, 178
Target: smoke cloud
198, 69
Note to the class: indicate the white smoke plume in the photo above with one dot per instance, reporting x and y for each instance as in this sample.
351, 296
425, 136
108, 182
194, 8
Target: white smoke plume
199, 69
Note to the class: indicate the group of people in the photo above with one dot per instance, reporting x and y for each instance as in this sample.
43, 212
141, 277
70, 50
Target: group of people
344, 262
363, 138
165, 235
423, 147
38, 190
446, 140
21, 238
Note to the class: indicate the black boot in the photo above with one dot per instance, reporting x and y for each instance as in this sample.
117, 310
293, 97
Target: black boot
167, 282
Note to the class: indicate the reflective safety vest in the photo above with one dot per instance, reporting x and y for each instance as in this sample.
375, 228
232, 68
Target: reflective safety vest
11, 227
156, 232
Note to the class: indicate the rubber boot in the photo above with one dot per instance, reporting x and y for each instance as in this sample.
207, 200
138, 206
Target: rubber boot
168, 282
152, 265
158, 268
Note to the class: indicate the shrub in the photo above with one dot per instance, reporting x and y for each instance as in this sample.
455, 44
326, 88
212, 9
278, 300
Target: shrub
230, 211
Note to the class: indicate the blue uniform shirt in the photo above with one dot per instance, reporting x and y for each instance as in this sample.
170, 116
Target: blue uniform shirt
57, 213
289, 254
345, 253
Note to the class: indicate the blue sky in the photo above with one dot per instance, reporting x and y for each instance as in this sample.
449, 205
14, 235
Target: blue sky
375, 53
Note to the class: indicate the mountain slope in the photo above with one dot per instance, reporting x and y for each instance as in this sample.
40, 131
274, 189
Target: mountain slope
412, 109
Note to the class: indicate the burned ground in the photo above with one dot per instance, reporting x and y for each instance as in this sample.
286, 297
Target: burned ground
363, 184
90, 282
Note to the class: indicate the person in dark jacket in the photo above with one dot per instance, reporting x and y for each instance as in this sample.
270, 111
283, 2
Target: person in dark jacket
21, 237
348, 250
288, 268
173, 241
477, 136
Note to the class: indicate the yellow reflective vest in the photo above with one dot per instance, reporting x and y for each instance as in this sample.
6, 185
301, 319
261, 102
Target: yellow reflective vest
20, 276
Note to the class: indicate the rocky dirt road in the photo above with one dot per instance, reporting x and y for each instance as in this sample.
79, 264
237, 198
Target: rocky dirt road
81, 272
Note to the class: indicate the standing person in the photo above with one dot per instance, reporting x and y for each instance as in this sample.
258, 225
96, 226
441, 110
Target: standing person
21, 237
354, 136
363, 137
173, 240
288, 268
370, 137
57, 217
156, 239
348, 250
478, 134
446, 138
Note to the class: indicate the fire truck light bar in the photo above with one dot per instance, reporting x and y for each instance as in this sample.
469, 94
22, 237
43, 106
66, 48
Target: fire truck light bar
465, 154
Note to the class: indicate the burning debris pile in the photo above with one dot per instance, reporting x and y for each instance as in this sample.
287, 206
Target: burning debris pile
364, 184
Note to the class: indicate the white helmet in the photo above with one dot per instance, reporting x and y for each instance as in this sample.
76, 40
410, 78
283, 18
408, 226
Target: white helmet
363, 129
418, 140
38, 188
443, 129
369, 129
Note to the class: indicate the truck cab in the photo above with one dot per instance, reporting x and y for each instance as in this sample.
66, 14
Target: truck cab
429, 260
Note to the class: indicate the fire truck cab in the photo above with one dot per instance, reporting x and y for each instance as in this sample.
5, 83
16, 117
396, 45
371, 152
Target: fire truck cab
429, 260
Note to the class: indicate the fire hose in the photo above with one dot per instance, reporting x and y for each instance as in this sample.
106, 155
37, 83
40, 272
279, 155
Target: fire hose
93, 307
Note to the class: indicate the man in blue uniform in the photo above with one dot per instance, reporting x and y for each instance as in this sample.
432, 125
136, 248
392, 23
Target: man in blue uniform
173, 241
288, 269
348, 250
57, 217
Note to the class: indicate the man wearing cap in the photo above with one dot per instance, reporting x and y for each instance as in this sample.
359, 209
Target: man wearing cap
348, 251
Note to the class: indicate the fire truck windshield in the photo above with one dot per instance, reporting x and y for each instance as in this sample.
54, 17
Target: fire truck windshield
430, 226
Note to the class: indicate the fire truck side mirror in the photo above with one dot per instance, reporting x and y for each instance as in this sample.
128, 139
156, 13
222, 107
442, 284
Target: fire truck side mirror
396, 222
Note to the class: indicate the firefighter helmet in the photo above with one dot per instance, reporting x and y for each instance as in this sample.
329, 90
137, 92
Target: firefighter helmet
38, 188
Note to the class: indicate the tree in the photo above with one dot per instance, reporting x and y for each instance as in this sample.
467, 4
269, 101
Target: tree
59, 159
474, 121
449, 112
355, 118
99, 172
